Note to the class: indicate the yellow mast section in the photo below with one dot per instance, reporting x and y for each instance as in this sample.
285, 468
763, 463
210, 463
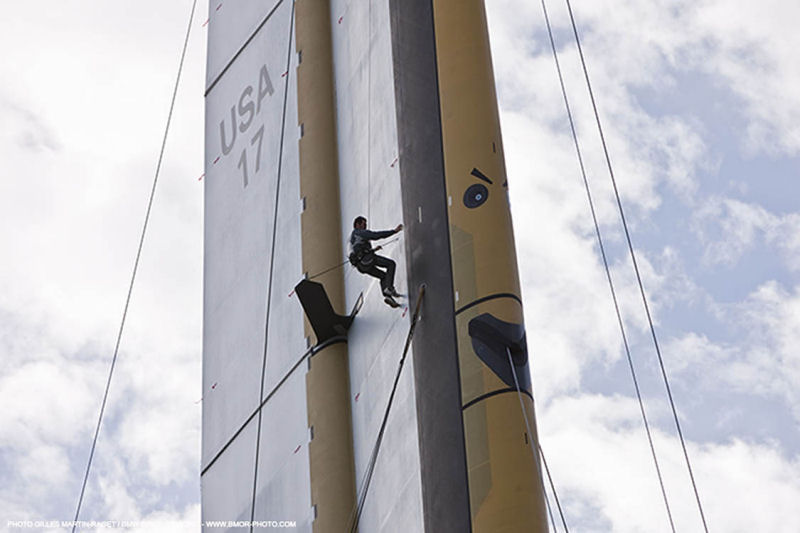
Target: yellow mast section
505, 488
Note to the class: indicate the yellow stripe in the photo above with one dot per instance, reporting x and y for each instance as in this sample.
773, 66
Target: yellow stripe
327, 381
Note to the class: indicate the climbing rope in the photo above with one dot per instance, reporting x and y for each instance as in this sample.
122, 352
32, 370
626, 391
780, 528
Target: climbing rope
636, 267
135, 268
340, 265
348, 260
355, 515
343, 263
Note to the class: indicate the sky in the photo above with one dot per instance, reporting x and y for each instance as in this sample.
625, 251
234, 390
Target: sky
700, 107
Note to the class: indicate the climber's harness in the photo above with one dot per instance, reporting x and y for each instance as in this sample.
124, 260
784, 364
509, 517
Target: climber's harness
362, 257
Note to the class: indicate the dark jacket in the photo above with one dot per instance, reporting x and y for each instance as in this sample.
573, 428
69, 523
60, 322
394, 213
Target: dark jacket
359, 239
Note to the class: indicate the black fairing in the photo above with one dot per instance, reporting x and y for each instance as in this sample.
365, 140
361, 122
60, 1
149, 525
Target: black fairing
325, 322
492, 338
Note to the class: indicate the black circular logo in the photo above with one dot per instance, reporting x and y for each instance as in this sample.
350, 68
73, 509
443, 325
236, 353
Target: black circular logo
475, 195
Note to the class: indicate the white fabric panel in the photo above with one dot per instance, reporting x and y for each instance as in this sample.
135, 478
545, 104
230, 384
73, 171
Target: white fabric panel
244, 112
283, 472
238, 228
227, 487
230, 23
370, 186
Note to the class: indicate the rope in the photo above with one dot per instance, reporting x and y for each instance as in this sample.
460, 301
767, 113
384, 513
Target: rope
541, 452
553, 489
311, 352
135, 267
355, 515
608, 270
343, 263
550, 512
369, 109
272, 260
340, 265
636, 268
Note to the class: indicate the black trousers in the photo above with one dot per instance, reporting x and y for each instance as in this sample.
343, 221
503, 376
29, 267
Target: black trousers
386, 276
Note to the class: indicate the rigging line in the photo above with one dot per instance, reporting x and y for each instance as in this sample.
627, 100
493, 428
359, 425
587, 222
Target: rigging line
373, 455
532, 437
241, 49
363, 489
135, 265
272, 258
550, 512
552, 487
636, 268
607, 269
376, 448
311, 352
369, 108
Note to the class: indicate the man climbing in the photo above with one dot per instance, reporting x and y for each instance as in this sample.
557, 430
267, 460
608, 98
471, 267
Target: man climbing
364, 258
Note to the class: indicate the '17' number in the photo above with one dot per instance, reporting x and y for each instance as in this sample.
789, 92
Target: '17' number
257, 138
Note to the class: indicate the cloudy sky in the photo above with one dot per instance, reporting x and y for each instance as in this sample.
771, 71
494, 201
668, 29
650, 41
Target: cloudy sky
700, 102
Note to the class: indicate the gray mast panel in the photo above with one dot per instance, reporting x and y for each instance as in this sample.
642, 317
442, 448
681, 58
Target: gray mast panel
443, 465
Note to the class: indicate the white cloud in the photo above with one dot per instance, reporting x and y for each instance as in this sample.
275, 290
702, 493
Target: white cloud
159, 432
149, 439
773, 316
764, 362
747, 49
603, 470
692, 350
730, 228
755, 54
39, 392
563, 282
44, 466
80, 128
29, 132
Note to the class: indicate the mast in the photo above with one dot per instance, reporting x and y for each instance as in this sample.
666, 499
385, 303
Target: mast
317, 112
